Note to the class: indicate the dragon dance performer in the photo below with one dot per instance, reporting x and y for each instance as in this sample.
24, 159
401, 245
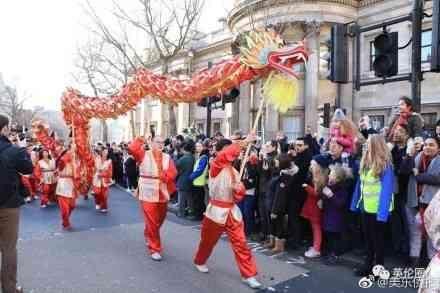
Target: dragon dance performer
45, 171
30, 181
156, 183
223, 215
102, 180
65, 191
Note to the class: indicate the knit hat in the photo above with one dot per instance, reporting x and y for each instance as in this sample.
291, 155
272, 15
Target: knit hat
322, 160
338, 115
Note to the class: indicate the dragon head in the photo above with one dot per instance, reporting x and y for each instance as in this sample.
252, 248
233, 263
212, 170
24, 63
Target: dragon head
263, 49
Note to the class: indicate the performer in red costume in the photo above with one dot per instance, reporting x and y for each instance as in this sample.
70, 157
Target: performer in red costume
102, 180
65, 191
223, 215
156, 182
45, 173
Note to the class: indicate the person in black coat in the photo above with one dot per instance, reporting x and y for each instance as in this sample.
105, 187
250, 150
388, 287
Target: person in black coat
248, 204
282, 197
296, 202
266, 170
14, 161
365, 127
132, 172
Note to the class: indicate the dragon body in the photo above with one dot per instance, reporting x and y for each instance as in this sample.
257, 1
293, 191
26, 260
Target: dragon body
262, 54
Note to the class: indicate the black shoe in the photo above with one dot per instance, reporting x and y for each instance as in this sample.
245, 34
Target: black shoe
194, 218
413, 262
331, 260
362, 271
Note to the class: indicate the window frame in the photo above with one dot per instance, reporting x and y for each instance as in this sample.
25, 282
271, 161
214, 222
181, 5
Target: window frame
372, 56
428, 30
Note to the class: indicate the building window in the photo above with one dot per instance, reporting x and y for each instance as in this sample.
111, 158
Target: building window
372, 54
200, 127
292, 126
426, 45
430, 120
216, 126
377, 121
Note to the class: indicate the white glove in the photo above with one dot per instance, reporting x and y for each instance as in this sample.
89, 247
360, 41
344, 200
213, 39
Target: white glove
22, 143
327, 192
319, 204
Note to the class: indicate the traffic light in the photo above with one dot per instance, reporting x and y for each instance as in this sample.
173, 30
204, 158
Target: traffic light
230, 96
386, 60
338, 62
326, 116
435, 48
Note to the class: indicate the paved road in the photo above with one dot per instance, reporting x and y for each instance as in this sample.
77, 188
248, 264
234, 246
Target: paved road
106, 253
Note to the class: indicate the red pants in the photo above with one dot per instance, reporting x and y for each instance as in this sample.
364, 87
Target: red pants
317, 236
66, 205
154, 216
211, 232
29, 184
48, 193
101, 196
34, 187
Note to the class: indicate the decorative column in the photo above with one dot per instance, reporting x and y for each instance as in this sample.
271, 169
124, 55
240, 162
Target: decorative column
311, 88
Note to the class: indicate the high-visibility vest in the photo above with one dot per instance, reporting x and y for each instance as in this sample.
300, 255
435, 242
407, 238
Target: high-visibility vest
201, 180
370, 192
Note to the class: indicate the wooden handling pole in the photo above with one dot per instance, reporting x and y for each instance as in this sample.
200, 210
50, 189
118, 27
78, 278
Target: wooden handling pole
254, 129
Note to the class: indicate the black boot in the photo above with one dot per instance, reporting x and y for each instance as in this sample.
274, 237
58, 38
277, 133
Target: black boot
363, 270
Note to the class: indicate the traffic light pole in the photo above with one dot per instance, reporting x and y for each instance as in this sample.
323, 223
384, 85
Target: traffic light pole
208, 110
208, 117
416, 71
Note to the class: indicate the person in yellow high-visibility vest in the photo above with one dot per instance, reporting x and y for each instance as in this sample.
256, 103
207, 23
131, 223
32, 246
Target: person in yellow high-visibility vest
199, 179
373, 196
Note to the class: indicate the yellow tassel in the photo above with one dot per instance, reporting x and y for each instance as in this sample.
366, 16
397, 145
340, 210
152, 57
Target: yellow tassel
281, 92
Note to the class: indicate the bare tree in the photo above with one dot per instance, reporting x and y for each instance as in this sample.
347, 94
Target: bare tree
11, 104
166, 25
92, 72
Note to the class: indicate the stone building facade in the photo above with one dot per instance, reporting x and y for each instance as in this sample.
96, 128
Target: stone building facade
312, 21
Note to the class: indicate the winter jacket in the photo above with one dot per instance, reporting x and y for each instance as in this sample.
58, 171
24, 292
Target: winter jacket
266, 170
283, 193
415, 124
430, 179
334, 209
184, 167
386, 195
203, 162
15, 160
250, 177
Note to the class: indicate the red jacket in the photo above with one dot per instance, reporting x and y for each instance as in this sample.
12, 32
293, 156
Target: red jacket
310, 210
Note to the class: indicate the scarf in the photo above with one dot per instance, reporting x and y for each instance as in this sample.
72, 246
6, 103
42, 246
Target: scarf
424, 164
401, 120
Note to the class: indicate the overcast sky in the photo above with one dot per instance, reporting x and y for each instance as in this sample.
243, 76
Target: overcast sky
39, 40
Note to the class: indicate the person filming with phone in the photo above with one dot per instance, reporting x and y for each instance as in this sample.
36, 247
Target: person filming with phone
14, 160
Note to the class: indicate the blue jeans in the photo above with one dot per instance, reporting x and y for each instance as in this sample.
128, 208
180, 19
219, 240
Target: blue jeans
247, 207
